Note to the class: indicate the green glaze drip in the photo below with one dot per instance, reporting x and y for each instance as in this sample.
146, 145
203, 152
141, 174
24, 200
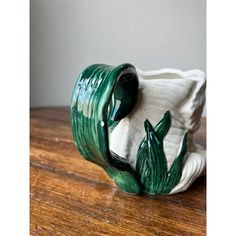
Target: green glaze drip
151, 161
102, 96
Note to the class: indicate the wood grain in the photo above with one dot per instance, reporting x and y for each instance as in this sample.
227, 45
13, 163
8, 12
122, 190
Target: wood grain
70, 196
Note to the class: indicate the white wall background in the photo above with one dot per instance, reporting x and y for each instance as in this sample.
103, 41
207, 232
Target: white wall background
68, 35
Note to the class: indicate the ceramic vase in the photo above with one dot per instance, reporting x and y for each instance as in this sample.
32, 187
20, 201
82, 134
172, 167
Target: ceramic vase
138, 126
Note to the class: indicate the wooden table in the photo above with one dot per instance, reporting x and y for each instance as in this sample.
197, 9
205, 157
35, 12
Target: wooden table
70, 196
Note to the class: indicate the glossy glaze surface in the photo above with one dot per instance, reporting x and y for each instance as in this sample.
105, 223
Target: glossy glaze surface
102, 96
151, 160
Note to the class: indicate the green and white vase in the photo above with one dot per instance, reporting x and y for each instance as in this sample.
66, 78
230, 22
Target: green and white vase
138, 126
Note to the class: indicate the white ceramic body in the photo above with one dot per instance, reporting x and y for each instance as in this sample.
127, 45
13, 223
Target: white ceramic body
183, 94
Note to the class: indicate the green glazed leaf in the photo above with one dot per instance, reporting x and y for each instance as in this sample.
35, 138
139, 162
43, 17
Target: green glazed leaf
102, 96
163, 126
151, 163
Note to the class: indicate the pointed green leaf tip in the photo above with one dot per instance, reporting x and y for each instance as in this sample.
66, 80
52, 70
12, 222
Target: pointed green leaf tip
151, 160
163, 126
